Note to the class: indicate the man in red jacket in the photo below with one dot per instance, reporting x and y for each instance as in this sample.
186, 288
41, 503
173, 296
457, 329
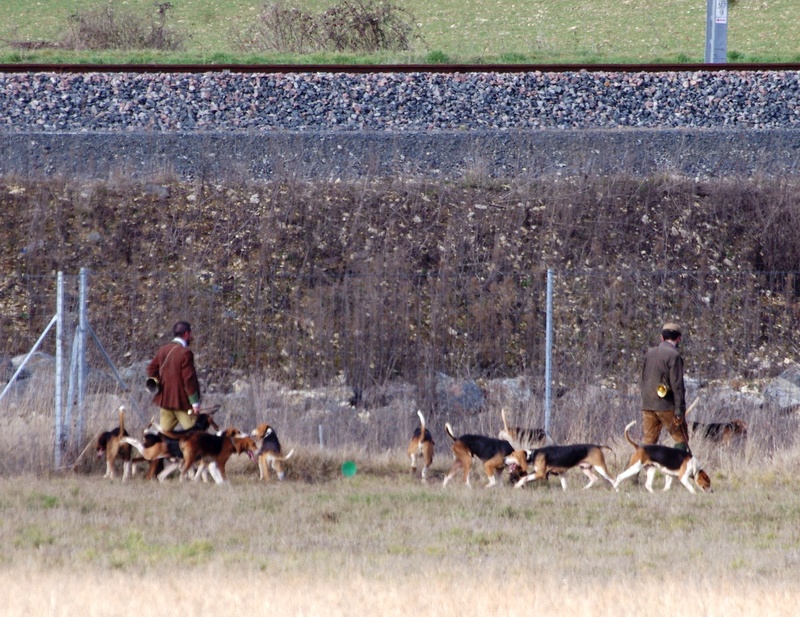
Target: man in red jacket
178, 394
663, 390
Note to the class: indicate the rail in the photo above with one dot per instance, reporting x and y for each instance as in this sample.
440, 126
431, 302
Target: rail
390, 68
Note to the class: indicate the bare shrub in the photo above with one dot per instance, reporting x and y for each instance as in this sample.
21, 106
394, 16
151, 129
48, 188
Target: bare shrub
105, 27
366, 26
280, 28
350, 26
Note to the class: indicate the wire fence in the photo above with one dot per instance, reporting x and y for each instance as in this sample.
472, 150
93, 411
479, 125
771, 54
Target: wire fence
393, 343
370, 328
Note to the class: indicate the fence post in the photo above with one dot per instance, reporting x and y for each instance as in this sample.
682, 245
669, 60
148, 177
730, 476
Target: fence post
59, 445
548, 369
81, 341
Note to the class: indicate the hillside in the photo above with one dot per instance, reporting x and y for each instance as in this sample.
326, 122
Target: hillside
395, 279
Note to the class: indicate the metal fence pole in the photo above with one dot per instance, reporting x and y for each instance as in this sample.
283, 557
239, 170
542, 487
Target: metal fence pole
59, 428
80, 340
548, 368
73, 363
21, 367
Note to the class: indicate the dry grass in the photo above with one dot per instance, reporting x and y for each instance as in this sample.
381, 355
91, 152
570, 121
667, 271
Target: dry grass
391, 545
384, 543
399, 594
402, 594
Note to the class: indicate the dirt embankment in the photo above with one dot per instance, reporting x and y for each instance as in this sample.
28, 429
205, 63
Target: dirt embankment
377, 280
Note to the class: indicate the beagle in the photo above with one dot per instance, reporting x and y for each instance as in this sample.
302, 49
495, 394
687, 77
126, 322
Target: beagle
674, 463
157, 447
492, 452
111, 446
197, 447
268, 451
521, 438
421, 445
538, 464
724, 433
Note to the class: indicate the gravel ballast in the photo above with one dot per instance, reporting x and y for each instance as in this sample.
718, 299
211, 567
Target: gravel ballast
422, 122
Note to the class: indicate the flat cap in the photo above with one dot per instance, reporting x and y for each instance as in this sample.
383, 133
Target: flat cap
672, 327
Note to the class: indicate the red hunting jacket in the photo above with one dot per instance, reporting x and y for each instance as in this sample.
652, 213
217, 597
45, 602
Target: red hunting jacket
173, 366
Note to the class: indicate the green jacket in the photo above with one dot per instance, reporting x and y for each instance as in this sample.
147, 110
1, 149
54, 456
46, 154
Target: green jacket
663, 365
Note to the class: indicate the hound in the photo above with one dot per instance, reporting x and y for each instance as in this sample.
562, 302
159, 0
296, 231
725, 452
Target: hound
421, 445
158, 448
522, 438
197, 447
674, 463
215, 450
492, 452
556, 460
268, 451
723, 433
112, 446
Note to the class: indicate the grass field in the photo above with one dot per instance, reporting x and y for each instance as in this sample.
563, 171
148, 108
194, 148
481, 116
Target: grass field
383, 543
558, 31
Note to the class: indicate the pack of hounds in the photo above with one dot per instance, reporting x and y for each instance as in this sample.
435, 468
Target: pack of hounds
198, 452
527, 453
530, 456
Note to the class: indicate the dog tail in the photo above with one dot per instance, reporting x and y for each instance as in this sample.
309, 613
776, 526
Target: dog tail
151, 428
628, 436
421, 426
449, 430
289, 455
136, 444
121, 421
167, 433
610, 449
505, 422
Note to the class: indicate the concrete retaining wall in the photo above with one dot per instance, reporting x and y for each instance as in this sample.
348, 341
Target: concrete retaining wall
447, 154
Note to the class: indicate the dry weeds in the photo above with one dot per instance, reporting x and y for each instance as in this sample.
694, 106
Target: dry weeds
384, 543
446, 594
392, 546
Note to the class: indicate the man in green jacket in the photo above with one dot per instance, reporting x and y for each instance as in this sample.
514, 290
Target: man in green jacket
663, 390
178, 393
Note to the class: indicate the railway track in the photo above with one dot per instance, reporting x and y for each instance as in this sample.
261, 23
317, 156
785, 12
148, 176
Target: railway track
388, 68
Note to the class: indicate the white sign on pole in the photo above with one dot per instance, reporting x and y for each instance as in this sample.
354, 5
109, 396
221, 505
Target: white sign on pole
716, 31
721, 13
